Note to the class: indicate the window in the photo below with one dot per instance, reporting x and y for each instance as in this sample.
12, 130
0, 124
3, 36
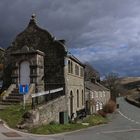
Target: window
33, 80
14, 80
76, 69
77, 98
69, 69
70, 66
33, 71
100, 94
92, 95
14, 71
97, 106
83, 98
96, 94
81, 72
103, 94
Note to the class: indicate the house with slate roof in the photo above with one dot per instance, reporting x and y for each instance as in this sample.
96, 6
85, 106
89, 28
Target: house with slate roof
96, 96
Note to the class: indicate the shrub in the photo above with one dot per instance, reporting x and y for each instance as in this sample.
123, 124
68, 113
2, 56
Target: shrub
102, 113
95, 120
110, 107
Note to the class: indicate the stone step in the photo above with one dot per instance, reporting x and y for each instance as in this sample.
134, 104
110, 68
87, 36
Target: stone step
12, 100
15, 94
15, 91
6, 103
3, 106
15, 97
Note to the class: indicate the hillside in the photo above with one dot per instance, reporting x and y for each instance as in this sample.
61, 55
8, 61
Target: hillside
130, 84
126, 80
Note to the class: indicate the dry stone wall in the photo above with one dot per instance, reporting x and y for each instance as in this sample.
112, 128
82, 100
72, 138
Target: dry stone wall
50, 111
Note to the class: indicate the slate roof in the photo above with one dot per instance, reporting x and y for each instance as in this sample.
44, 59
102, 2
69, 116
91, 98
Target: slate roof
95, 86
75, 59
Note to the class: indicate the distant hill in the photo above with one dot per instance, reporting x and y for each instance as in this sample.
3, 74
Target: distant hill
130, 84
126, 80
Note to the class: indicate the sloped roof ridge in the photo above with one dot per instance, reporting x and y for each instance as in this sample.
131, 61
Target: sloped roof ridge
75, 58
102, 86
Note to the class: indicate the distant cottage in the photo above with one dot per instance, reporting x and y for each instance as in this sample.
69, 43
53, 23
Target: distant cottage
37, 59
96, 96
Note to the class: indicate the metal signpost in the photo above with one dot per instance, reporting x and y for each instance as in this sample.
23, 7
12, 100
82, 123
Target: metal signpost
23, 89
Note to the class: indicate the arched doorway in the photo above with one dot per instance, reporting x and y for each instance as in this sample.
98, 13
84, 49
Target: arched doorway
24, 73
71, 104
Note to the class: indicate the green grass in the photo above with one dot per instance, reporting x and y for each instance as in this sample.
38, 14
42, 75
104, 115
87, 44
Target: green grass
95, 120
58, 128
12, 115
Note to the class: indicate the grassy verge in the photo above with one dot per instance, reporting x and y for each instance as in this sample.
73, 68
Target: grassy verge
58, 128
95, 120
12, 115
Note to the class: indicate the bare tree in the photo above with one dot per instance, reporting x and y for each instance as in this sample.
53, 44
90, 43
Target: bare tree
1, 58
91, 73
111, 81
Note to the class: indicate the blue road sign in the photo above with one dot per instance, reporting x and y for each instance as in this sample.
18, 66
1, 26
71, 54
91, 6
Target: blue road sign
23, 89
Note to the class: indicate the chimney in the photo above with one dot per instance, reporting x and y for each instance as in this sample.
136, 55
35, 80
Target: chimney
93, 80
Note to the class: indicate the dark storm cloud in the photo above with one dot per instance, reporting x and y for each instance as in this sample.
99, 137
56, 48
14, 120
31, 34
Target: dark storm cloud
84, 24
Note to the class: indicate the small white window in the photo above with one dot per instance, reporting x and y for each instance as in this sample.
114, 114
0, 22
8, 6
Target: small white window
97, 106
96, 94
103, 94
100, 94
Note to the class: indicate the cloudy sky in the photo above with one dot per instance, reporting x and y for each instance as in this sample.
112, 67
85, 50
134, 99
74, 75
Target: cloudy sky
105, 33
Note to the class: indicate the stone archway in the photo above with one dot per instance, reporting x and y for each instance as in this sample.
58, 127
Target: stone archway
24, 76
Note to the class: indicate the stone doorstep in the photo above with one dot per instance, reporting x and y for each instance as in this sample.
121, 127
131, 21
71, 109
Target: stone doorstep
11, 134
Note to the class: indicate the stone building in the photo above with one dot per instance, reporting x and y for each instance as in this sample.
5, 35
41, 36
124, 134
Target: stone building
96, 96
28, 67
33, 38
36, 57
74, 76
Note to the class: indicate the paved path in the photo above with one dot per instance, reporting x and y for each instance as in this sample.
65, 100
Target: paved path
125, 125
10, 134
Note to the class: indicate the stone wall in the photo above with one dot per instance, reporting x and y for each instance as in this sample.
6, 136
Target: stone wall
50, 111
133, 99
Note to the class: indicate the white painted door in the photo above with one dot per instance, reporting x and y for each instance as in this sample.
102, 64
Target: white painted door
24, 73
